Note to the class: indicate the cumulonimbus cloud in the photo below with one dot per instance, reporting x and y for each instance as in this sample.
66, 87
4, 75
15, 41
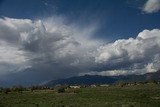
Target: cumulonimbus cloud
151, 6
45, 44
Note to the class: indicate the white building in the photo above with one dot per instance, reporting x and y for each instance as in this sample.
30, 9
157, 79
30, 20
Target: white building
75, 86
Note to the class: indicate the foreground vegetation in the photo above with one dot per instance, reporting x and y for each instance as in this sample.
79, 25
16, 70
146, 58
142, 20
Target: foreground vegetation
130, 95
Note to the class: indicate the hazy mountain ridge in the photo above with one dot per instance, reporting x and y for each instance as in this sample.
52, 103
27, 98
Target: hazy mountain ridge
96, 79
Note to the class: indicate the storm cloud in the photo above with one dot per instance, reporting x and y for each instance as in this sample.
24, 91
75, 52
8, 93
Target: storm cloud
41, 50
48, 47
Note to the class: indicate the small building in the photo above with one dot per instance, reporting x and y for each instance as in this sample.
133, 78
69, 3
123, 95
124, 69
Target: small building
92, 86
104, 85
75, 86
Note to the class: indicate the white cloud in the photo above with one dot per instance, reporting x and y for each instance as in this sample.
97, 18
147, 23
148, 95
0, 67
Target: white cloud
9, 54
142, 50
149, 68
151, 6
107, 73
11, 58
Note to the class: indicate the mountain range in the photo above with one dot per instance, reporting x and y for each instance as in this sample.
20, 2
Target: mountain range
96, 79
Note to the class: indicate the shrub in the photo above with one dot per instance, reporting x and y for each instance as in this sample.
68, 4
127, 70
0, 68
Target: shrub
1, 89
7, 90
18, 89
61, 90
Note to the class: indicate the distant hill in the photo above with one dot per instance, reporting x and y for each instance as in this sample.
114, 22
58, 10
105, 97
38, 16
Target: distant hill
96, 79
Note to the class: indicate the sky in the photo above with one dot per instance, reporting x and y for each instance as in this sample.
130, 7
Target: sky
43, 40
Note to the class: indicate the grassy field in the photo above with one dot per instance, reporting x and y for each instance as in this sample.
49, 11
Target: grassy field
147, 95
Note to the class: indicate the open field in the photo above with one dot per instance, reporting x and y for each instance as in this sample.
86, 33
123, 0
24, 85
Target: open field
145, 95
